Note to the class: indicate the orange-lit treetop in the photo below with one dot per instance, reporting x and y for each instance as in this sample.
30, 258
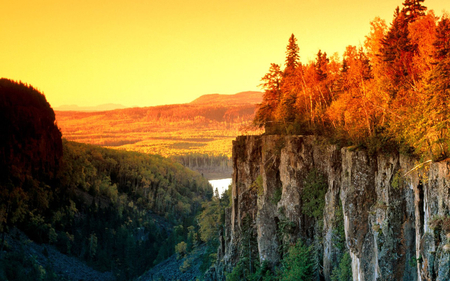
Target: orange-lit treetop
394, 93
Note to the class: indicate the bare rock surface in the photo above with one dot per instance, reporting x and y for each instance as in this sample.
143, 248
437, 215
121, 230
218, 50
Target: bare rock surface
396, 209
183, 269
65, 267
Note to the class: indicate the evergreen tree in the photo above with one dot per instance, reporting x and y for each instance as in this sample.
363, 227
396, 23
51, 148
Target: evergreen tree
436, 116
286, 109
290, 83
414, 9
292, 56
321, 65
397, 51
272, 95
298, 264
442, 42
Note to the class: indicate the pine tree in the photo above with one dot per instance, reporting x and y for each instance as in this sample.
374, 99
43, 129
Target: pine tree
272, 95
396, 50
292, 56
436, 117
290, 85
442, 43
285, 111
298, 264
321, 65
414, 9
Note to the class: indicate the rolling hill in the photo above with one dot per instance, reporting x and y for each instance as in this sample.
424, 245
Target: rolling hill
205, 126
236, 99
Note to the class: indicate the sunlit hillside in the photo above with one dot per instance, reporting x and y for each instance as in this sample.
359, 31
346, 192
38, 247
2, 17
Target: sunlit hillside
236, 99
205, 126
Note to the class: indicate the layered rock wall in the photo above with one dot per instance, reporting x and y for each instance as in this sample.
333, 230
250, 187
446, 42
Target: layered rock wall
395, 210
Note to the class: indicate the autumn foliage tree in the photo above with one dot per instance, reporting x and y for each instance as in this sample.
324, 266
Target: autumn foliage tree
393, 91
271, 83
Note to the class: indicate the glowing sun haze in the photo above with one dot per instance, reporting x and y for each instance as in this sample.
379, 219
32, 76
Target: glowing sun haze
142, 53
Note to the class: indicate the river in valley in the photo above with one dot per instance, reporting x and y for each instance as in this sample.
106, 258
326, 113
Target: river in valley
221, 185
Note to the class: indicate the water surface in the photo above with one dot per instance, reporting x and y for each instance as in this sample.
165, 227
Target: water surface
221, 184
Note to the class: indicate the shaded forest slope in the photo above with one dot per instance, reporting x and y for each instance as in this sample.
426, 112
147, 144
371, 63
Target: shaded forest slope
116, 211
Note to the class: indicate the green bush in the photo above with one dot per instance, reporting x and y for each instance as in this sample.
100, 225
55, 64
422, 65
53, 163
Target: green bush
298, 263
276, 197
343, 272
285, 228
397, 180
258, 185
313, 196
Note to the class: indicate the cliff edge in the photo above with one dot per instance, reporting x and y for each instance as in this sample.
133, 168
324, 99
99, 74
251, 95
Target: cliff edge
390, 213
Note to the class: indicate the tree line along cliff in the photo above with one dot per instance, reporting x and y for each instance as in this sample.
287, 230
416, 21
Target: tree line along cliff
363, 194
391, 92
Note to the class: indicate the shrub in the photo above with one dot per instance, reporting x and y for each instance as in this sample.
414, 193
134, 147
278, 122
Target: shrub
343, 272
397, 180
313, 197
180, 249
258, 185
298, 263
276, 197
440, 223
186, 265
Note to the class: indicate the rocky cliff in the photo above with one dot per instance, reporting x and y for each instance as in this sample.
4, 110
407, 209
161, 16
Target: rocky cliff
393, 211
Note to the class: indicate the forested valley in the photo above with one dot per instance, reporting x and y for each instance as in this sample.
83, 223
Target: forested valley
121, 212
118, 212
198, 134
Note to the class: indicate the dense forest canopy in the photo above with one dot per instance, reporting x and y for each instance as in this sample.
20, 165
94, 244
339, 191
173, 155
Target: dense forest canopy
392, 91
115, 210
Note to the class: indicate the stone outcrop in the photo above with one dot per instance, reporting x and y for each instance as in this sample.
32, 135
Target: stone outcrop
395, 211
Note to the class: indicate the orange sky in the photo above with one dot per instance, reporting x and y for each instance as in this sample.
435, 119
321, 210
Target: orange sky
152, 52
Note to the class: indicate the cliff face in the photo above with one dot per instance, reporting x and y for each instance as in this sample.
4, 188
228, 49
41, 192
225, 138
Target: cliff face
395, 214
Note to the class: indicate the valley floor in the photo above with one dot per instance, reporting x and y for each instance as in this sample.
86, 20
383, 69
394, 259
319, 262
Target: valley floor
46, 259
187, 268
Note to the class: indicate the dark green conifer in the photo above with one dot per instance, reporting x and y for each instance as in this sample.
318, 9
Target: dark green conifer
272, 94
292, 56
397, 52
321, 65
413, 9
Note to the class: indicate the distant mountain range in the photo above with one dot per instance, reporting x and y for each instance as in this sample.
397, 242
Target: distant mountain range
102, 107
250, 97
206, 125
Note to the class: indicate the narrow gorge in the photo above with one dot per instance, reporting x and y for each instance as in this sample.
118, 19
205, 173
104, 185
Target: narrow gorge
390, 213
